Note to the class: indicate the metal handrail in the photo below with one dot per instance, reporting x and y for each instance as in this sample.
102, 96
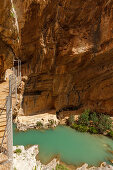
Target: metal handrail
15, 82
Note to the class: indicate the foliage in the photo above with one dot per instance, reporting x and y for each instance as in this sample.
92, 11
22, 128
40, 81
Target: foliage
18, 151
28, 146
70, 121
12, 14
35, 168
105, 123
51, 121
110, 133
94, 118
93, 130
82, 128
83, 119
61, 167
39, 124
74, 126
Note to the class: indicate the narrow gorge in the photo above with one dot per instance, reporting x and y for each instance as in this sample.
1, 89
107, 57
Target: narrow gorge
66, 53
66, 49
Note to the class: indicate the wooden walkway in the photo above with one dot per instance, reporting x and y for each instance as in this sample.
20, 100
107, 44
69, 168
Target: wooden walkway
4, 91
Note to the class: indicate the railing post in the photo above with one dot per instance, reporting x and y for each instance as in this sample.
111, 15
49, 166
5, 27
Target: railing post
16, 85
10, 86
9, 129
18, 68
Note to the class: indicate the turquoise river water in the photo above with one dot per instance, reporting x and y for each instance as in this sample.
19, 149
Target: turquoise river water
73, 147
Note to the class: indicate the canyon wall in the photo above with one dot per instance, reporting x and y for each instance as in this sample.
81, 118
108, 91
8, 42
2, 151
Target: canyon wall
66, 48
8, 37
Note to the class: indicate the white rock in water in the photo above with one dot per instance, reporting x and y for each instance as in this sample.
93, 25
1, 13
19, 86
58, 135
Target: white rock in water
103, 166
26, 160
29, 122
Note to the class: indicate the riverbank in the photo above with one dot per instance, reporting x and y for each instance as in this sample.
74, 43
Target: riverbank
45, 121
26, 159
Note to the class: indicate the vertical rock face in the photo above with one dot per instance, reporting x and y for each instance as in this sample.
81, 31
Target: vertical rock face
8, 36
67, 53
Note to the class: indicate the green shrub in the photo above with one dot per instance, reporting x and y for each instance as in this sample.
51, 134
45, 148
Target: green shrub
82, 128
111, 134
39, 124
105, 123
51, 121
61, 167
83, 119
35, 168
74, 126
12, 14
70, 121
18, 151
94, 118
93, 130
28, 146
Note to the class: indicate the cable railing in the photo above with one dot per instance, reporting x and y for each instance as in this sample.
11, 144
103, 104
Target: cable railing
14, 83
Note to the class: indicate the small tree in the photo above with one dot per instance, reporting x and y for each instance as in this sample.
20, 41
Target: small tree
83, 119
105, 123
18, 151
70, 121
94, 118
39, 124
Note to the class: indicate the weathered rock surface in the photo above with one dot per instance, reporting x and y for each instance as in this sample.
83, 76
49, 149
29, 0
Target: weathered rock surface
27, 159
67, 53
103, 166
66, 48
8, 37
47, 120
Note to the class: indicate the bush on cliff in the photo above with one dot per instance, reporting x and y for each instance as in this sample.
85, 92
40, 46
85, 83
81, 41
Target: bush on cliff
105, 123
74, 126
61, 167
111, 134
39, 124
18, 151
94, 118
70, 121
92, 122
93, 130
83, 119
82, 128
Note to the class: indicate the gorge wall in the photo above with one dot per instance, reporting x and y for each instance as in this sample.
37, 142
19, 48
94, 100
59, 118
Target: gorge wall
66, 48
8, 37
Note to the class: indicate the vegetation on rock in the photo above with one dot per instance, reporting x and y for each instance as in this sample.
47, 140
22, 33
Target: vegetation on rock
70, 121
92, 122
39, 124
61, 167
18, 151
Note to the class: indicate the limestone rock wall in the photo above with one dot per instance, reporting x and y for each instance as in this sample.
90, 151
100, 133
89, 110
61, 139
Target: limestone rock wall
8, 36
67, 53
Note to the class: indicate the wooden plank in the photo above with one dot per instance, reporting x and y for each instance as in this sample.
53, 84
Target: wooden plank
3, 124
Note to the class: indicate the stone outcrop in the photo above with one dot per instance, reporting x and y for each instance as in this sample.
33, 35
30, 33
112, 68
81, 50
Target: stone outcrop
27, 159
66, 48
8, 37
43, 121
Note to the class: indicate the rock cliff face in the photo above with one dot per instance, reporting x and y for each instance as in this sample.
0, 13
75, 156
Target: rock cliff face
8, 36
66, 48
